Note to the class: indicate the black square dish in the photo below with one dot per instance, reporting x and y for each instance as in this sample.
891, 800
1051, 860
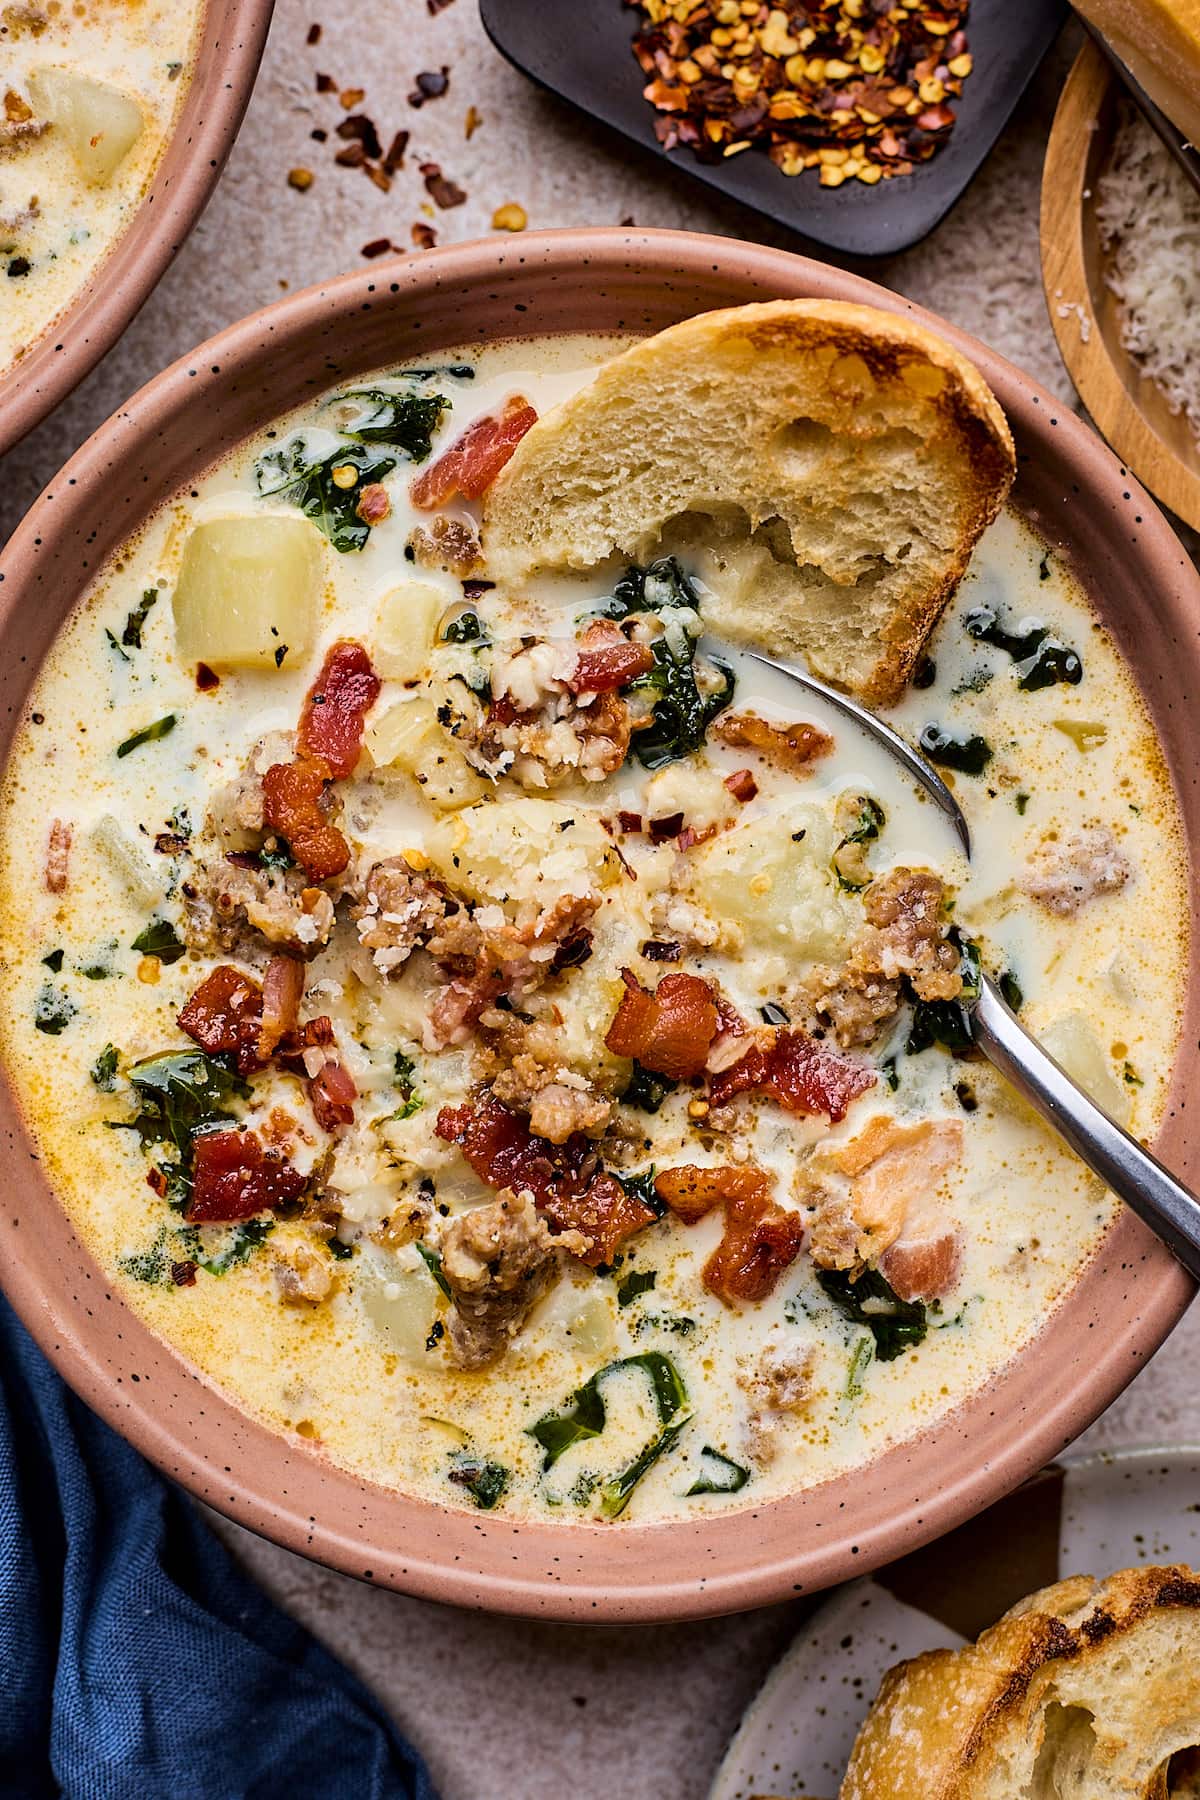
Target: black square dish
580, 50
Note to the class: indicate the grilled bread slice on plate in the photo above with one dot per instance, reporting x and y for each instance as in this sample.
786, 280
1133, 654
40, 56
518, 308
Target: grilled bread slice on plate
1084, 1691
827, 469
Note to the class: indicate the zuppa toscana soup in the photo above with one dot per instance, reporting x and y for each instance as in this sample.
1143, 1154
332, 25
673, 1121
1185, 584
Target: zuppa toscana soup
89, 91
517, 1044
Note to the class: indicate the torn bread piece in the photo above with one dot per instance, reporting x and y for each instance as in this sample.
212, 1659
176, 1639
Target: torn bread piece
826, 468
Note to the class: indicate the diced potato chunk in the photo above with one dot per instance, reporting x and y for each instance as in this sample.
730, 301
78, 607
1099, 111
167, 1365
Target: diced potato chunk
131, 869
522, 850
771, 878
1072, 1042
404, 630
248, 589
99, 123
407, 739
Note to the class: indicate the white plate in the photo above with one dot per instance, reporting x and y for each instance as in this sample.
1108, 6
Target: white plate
1088, 1515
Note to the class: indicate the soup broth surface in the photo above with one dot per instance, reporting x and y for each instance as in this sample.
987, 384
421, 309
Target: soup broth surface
533, 1233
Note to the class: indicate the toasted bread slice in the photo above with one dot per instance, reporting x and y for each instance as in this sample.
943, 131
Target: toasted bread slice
826, 468
1084, 1691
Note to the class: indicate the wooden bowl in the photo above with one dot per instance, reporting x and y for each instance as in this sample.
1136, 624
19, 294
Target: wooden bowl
1158, 445
1115, 1315
228, 52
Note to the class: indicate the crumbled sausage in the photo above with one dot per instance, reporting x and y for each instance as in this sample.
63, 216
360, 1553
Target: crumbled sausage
779, 1384
398, 910
496, 1260
1065, 877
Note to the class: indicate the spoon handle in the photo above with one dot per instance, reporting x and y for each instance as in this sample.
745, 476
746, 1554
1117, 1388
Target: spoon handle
1171, 1210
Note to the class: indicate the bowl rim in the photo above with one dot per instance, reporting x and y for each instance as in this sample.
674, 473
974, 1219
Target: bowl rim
1024, 1414
230, 44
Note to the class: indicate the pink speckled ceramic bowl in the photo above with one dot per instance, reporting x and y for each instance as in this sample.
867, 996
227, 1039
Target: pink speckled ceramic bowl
227, 58
1128, 1298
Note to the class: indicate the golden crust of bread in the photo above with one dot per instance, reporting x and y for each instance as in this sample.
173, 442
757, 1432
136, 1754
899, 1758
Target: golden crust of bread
828, 467
1083, 1691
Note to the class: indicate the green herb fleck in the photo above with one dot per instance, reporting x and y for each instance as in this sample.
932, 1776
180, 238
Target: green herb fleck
1021, 801
54, 961
1042, 660
465, 629
861, 1358
641, 1187
1011, 989
111, 636
1131, 1076
180, 1093
104, 1069
149, 734
53, 1010
849, 859
890, 1073
896, 1325
131, 637
647, 1091
247, 1237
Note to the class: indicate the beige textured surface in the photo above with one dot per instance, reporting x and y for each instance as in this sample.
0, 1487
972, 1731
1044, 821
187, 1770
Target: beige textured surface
504, 1709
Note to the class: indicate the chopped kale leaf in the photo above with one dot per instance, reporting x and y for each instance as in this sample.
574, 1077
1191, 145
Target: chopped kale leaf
181, 1093
159, 938
466, 628
485, 1481
404, 422
104, 1069
131, 637
149, 734
53, 1010
896, 1325
968, 755
54, 961
646, 1090
682, 714
1042, 660
433, 1262
641, 1187
719, 1474
315, 485
637, 1282
947, 1022
244, 1239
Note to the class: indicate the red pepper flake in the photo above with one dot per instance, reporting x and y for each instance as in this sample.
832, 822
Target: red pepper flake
431, 84
314, 35
376, 247
183, 1274
380, 177
353, 156
395, 157
742, 785
319, 134
424, 236
433, 7
373, 503
441, 190
472, 122
349, 98
206, 679
326, 84
361, 130
669, 825
629, 821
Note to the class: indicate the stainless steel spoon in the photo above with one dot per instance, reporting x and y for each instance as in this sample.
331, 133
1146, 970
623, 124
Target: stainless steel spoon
1171, 1210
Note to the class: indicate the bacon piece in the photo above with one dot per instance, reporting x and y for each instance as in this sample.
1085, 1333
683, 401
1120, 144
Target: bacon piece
225, 1016
608, 659
58, 852
336, 707
283, 987
668, 1031
291, 806
760, 1240
792, 747
567, 1182
923, 1268
374, 504
233, 1177
474, 460
742, 785
796, 1072
332, 1093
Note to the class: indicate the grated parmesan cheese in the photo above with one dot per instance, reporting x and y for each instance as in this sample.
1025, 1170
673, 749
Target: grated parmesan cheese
1149, 222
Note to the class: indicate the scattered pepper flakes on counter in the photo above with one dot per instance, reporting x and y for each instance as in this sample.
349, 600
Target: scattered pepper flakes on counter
314, 35
424, 236
510, 218
361, 130
443, 192
378, 247
349, 98
855, 88
326, 84
300, 179
395, 157
318, 135
471, 123
433, 7
431, 84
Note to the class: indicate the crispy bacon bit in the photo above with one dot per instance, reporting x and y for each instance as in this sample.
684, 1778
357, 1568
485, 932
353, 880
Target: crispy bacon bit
331, 1094
742, 785
791, 747
233, 1177
183, 1274
206, 679
661, 950
292, 794
225, 1017
283, 986
474, 460
669, 1031
58, 853
761, 1239
796, 1072
608, 659
567, 1182
336, 707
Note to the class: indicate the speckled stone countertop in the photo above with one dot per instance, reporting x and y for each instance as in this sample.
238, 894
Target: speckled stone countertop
503, 1708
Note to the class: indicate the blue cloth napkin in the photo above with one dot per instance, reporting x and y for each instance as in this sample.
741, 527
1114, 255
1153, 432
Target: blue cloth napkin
137, 1662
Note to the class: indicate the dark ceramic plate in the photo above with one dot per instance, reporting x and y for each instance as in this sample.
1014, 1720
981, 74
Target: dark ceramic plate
580, 50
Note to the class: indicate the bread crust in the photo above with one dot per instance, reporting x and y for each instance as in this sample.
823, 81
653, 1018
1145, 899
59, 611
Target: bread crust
1083, 1691
876, 446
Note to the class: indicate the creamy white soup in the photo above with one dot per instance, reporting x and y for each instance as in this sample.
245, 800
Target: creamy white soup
516, 1043
89, 92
